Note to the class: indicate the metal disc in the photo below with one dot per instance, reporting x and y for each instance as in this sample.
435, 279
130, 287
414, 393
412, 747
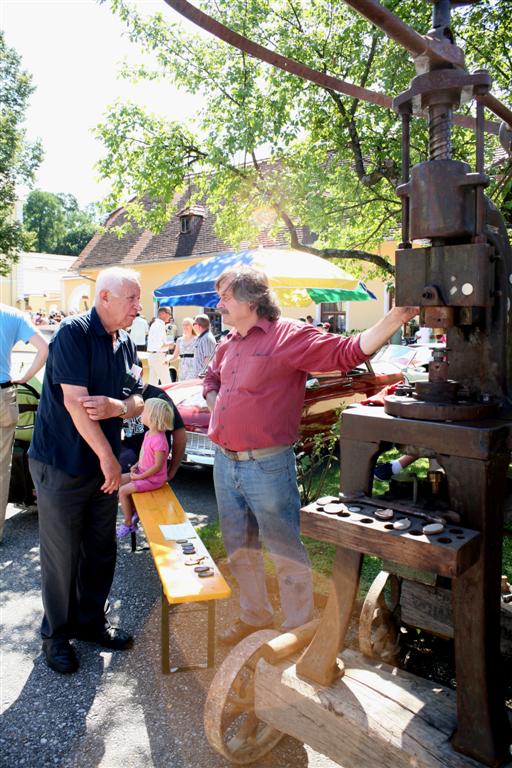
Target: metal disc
410, 408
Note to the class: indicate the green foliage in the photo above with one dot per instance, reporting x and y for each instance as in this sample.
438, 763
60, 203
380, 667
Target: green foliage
56, 224
316, 460
211, 537
43, 215
333, 161
18, 158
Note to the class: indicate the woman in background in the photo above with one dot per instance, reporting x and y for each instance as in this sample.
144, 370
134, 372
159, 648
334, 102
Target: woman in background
185, 351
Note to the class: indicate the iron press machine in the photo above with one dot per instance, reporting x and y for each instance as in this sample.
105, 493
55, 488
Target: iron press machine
461, 416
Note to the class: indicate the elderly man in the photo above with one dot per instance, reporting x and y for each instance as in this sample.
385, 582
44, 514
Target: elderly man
92, 382
205, 344
157, 348
254, 388
14, 327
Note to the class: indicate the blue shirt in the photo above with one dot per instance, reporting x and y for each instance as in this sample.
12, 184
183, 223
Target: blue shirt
14, 327
81, 353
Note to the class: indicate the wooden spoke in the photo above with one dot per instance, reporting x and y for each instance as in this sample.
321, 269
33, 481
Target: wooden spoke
378, 630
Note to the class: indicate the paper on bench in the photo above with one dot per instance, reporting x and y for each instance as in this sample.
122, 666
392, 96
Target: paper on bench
178, 531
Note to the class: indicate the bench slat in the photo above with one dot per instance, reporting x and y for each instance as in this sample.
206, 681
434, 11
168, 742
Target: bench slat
181, 584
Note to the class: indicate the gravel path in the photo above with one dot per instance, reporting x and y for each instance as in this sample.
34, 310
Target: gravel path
118, 711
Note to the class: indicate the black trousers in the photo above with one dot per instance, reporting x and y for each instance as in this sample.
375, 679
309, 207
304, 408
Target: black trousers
77, 525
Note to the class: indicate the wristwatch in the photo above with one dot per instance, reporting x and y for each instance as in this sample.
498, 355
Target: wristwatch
124, 410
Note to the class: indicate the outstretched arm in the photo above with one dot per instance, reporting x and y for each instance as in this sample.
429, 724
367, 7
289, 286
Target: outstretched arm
373, 338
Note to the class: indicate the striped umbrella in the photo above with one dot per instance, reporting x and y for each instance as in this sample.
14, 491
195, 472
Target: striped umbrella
298, 279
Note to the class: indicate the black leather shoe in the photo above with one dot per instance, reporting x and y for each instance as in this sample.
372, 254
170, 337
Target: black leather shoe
239, 630
60, 655
111, 637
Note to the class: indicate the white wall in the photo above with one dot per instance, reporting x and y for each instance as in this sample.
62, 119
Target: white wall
40, 273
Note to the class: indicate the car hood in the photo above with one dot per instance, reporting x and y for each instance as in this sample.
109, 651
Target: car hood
189, 400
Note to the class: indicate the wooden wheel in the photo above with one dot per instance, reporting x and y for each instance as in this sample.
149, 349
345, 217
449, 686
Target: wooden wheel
231, 725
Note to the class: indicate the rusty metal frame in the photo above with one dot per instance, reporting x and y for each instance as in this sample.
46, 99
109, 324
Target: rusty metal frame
425, 47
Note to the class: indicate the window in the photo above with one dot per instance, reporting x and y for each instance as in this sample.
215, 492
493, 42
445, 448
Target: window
185, 225
333, 313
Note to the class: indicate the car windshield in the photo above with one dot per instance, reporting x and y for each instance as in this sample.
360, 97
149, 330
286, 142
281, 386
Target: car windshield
393, 357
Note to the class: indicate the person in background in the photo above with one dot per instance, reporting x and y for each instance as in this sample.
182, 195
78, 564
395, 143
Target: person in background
139, 332
92, 382
185, 351
150, 471
254, 388
157, 349
14, 327
387, 469
133, 434
171, 329
205, 344
423, 336
309, 320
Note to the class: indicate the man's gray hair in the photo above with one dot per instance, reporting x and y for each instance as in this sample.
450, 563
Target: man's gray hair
251, 285
113, 279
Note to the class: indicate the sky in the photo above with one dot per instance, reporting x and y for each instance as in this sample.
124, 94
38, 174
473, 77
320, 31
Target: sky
73, 50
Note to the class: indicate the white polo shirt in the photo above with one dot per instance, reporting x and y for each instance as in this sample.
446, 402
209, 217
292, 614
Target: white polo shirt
157, 336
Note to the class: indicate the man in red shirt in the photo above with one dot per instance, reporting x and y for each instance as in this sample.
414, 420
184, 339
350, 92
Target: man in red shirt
255, 388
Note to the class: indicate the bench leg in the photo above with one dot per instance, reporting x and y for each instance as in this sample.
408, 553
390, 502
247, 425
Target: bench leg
165, 635
133, 537
211, 634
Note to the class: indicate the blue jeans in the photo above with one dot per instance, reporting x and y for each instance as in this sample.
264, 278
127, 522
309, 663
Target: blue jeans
259, 499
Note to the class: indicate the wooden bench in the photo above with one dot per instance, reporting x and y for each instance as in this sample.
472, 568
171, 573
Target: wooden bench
180, 582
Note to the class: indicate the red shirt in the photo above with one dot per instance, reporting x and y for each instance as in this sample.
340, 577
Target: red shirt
260, 379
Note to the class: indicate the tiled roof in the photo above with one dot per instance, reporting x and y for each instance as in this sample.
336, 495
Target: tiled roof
106, 249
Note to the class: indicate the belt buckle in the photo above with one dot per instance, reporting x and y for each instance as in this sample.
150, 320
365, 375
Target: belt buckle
235, 455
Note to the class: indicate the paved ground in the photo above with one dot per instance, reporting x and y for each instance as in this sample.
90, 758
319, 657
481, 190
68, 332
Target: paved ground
118, 710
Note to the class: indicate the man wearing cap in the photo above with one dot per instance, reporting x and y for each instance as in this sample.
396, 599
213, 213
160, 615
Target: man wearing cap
14, 327
157, 348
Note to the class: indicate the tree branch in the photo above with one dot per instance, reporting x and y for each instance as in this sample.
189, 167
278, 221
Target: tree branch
344, 253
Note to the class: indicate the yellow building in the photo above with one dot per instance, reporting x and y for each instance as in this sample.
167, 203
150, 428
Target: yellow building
36, 282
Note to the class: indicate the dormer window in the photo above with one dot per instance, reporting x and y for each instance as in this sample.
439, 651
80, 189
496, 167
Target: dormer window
190, 217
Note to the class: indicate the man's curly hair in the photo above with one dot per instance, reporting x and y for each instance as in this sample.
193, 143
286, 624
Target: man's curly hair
251, 285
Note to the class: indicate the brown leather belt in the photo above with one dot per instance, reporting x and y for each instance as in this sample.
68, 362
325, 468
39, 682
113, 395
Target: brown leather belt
254, 453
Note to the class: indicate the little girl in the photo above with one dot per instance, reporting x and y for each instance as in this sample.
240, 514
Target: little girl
150, 472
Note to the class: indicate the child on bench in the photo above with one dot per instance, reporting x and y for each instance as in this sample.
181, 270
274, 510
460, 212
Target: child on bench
150, 472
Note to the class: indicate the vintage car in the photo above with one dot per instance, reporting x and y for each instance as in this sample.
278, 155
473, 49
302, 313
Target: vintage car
324, 395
